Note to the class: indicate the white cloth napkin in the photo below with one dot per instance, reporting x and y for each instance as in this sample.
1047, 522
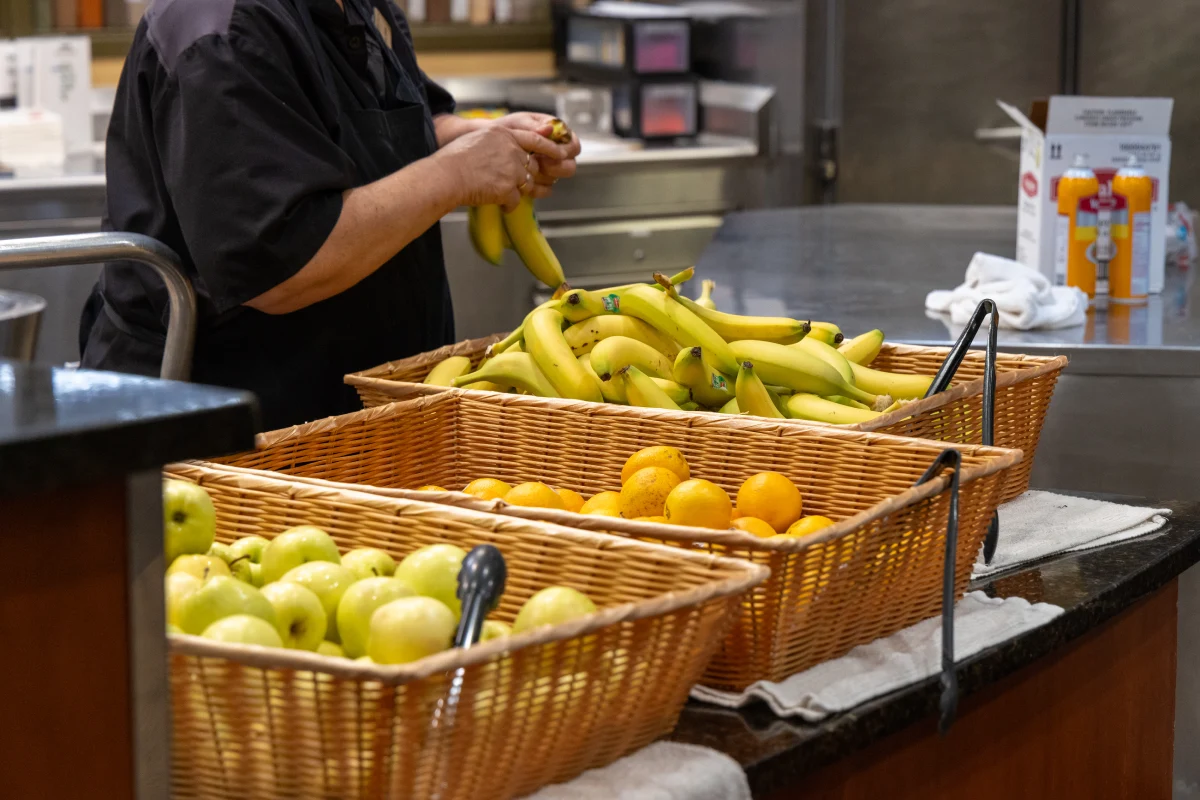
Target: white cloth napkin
891, 663
661, 771
1024, 297
1041, 524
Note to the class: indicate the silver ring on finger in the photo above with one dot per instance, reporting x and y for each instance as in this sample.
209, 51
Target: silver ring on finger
525, 182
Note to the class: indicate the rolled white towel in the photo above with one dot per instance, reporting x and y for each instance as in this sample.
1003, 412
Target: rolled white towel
1024, 297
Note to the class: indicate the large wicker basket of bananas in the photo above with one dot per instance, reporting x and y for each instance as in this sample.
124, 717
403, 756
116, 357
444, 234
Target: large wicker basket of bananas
876, 567
647, 345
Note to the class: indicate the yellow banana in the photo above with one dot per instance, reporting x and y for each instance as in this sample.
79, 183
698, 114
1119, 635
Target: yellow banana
829, 355
779, 399
705, 298
643, 391
709, 387
486, 227
752, 396
827, 332
900, 386
797, 369
846, 401
544, 341
614, 389
733, 327
559, 132
863, 348
690, 405
619, 351
447, 370
527, 239
654, 307
803, 405
583, 336
511, 369
730, 408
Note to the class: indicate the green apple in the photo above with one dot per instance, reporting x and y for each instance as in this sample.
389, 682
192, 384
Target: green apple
358, 604
242, 569
256, 578
251, 546
202, 567
409, 629
174, 628
433, 572
552, 606
221, 551
493, 629
179, 587
244, 629
364, 660
294, 547
189, 520
328, 582
328, 648
222, 597
369, 562
299, 615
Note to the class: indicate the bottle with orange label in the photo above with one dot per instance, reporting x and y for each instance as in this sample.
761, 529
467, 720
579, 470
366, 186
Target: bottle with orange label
1076, 230
1129, 271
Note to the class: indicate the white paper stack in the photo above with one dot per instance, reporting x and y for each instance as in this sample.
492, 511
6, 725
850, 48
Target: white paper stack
31, 141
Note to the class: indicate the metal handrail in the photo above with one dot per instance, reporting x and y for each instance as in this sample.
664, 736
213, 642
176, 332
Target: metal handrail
91, 248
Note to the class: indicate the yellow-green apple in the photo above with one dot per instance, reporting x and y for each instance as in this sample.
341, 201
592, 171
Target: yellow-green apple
432, 571
494, 629
328, 582
251, 546
328, 648
178, 588
294, 547
552, 606
408, 629
299, 615
369, 562
222, 597
244, 629
221, 551
174, 628
189, 520
202, 567
358, 604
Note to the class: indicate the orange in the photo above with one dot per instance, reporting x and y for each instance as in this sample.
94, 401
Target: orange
735, 514
772, 498
430, 488
700, 503
603, 503
665, 457
535, 494
645, 493
487, 488
753, 525
659, 519
806, 526
572, 500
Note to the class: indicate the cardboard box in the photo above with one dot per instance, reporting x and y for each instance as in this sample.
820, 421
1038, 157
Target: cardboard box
1107, 130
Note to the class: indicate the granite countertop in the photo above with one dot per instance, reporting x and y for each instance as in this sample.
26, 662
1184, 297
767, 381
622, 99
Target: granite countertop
62, 426
1092, 586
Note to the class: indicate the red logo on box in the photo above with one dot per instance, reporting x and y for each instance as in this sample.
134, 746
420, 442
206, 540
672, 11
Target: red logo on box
1029, 183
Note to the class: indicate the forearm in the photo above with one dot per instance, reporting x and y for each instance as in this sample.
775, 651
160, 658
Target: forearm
377, 221
449, 127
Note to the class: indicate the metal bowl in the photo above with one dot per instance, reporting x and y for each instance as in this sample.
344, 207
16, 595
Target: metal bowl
20, 318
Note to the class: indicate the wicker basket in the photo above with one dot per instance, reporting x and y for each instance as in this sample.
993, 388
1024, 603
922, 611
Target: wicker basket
1024, 385
534, 709
876, 571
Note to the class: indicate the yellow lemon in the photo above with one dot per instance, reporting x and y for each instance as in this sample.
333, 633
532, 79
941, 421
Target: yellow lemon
603, 503
753, 525
659, 519
487, 488
645, 493
572, 500
535, 494
699, 503
772, 498
665, 457
735, 514
603, 512
807, 525
430, 488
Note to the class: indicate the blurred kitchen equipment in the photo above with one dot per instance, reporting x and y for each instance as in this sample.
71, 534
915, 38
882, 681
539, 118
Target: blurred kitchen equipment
586, 108
20, 319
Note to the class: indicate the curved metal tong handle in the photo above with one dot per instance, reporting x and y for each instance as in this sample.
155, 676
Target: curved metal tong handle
946, 373
91, 248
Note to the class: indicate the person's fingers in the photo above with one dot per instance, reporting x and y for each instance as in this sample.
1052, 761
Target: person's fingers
537, 144
538, 191
572, 147
511, 202
556, 169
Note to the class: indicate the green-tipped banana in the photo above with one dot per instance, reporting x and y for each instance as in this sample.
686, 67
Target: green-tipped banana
846, 401
583, 336
620, 351
817, 409
733, 327
730, 408
798, 370
863, 348
829, 355
827, 332
531, 245
899, 385
779, 399
652, 306
486, 227
709, 386
447, 370
705, 299
642, 391
544, 341
511, 369
752, 397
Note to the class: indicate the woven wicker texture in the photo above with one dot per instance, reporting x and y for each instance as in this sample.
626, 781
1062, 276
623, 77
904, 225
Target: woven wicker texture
534, 709
1024, 386
875, 572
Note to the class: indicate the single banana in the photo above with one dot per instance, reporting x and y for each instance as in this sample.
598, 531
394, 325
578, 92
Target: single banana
583, 336
846, 401
730, 408
705, 298
797, 369
733, 327
900, 386
803, 405
619, 351
519, 347
709, 387
827, 332
863, 348
779, 399
559, 132
654, 307
447, 370
614, 389
486, 227
511, 369
752, 397
644, 392
829, 355
531, 245
544, 341
690, 405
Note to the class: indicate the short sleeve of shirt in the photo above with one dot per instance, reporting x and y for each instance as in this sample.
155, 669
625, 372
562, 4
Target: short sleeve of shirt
254, 175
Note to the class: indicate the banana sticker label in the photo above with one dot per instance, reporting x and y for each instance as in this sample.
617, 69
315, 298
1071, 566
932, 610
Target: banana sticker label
719, 382
612, 303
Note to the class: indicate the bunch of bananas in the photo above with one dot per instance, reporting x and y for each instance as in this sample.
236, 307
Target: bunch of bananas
645, 344
493, 231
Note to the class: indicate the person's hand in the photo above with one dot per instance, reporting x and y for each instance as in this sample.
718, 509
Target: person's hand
547, 171
496, 164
